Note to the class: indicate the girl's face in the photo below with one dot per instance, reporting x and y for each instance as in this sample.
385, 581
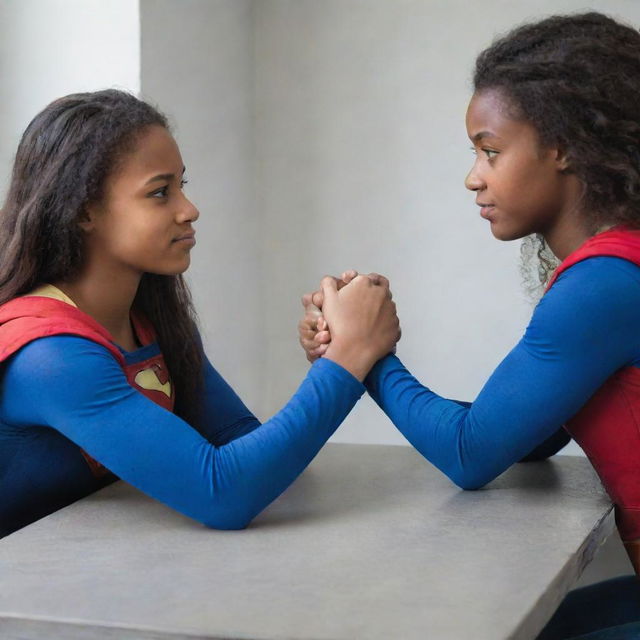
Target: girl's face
519, 184
144, 221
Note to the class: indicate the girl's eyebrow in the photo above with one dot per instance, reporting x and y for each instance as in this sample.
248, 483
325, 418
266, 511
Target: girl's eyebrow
163, 177
484, 134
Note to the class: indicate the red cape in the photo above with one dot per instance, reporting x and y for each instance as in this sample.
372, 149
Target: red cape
608, 425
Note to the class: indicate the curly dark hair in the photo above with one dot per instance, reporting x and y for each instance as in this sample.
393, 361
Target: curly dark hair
63, 159
576, 78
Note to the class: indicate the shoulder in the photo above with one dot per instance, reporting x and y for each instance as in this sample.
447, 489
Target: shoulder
56, 360
594, 301
600, 272
600, 285
60, 350
59, 373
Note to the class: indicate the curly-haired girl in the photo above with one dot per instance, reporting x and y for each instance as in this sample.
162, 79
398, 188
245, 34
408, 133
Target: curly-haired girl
555, 124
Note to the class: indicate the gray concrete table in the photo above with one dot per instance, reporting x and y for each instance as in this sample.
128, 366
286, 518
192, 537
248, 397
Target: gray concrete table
370, 542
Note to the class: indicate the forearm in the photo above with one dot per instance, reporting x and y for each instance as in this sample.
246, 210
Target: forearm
89, 401
258, 467
227, 486
470, 444
434, 425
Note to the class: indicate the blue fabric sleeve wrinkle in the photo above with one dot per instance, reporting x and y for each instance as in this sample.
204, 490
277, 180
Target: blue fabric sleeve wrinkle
583, 330
76, 387
545, 449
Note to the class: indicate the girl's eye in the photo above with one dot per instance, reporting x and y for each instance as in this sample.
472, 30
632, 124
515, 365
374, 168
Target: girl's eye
490, 153
160, 193
164, 191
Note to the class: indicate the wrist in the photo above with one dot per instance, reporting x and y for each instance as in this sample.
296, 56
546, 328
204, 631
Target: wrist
356, 359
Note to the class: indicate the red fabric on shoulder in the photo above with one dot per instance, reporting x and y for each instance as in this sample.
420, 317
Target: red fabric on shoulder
617, 243
25, 319
608, 425
28, 318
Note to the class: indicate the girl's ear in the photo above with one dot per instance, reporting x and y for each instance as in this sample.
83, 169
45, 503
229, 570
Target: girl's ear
86, 220
562, 161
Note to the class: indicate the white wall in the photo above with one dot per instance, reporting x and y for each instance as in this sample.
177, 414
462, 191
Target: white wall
49, 48
197, 65
362, 154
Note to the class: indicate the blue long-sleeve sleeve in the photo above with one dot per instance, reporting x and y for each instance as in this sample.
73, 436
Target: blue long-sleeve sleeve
223, 416
547, 448
585, 328
75, 387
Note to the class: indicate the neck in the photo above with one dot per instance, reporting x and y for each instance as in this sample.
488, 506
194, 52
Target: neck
106, 297
563, 242
565, 238
569, 227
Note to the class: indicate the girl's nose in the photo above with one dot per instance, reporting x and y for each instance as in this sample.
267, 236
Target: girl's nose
473, 181
188, 211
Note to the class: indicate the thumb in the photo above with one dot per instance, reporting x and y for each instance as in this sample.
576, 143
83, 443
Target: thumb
329, 289
316, 298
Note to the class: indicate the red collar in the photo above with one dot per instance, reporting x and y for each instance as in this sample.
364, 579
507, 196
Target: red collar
619, 242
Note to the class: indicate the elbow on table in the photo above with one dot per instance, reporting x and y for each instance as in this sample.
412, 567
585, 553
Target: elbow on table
226, 521
469, 480
225, 525
229, 519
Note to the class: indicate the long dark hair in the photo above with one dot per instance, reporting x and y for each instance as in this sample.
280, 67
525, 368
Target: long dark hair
62, 162
576, 78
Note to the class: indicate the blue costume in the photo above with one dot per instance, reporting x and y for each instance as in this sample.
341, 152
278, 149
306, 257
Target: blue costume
68, 401
586, 327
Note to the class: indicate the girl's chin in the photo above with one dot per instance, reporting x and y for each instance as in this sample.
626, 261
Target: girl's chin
500, 233
175, 271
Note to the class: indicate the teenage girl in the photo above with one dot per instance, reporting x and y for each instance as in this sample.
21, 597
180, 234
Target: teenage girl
555, 125
103, 372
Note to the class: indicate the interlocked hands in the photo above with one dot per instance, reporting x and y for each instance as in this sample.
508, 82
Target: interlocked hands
351, 320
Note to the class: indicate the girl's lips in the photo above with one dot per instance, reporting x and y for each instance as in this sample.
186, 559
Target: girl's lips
486, 210
187, 238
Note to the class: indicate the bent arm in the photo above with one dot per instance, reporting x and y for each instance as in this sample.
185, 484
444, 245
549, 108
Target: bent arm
76, 387
582, 331
546, 449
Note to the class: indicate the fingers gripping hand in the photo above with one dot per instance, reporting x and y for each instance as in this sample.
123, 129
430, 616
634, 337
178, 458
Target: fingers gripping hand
362, 320
317, 296
313, 331
313, 342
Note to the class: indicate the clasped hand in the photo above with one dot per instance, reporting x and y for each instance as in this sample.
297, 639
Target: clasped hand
351, 320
